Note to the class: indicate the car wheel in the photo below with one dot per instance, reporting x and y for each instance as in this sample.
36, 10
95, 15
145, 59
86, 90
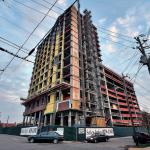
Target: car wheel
95, 141
31, 140
55, 141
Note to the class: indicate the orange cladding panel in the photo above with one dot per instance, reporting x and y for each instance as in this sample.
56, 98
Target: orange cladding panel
75, 104
75, 94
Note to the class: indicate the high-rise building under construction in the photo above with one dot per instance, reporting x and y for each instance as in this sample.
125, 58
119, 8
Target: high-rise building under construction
65, 84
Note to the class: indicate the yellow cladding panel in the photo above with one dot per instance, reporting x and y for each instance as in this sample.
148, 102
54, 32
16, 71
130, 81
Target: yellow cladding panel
54, 76
61, 72
57, 44
50, 105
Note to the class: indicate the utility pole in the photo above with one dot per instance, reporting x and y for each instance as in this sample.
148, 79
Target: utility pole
0, 117
127, 99
7, 120
145, 60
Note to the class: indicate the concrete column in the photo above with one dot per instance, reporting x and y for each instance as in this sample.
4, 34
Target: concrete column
45, 120
76, 118
69, 119
39, 120
26, 120
30, 118
23, 123
34, 121
51, 117
61, 119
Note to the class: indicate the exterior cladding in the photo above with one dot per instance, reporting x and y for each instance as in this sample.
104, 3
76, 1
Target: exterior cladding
116, 100
69, 85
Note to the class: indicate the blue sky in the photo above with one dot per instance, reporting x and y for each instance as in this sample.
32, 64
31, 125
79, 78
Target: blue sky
124, 17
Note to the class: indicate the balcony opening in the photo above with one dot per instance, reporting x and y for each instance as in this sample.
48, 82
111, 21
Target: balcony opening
66, 94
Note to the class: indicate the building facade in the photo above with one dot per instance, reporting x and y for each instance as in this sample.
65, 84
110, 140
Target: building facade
120, 101
69, 85
65, 82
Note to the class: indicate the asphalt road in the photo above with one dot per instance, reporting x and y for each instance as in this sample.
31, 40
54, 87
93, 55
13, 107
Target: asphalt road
9, 142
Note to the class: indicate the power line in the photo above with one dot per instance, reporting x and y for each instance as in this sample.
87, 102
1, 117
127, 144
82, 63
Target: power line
36, 2
15, 47
143, 95
15, 55
119, 37
142, 86
132, 65
129, 63
36, 10
115, 42
25, 14
136, 74
29, 37
39, 24
26, 31
13, 43
55, 5
128, 58
15, 24
123, 35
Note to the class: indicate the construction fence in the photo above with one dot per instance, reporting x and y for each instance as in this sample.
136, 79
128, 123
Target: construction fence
77, 133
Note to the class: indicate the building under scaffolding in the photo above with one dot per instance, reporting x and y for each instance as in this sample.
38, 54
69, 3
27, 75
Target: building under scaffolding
67, 85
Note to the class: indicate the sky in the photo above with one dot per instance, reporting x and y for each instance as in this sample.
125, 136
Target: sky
117, 22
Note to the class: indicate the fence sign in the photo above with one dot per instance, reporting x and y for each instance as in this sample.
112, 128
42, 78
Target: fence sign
81, 131
103, 131
29, 131
60, 131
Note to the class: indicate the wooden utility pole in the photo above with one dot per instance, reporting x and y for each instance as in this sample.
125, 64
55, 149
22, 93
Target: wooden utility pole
145, 60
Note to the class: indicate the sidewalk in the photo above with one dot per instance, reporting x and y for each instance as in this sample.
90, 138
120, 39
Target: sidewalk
147, 148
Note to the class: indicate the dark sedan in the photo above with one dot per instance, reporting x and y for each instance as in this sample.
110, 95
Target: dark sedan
94, 138
141, 137
51, 136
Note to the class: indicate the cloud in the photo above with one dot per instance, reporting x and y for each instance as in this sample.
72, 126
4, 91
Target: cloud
62, 2
102, 21
109, 48
114, 30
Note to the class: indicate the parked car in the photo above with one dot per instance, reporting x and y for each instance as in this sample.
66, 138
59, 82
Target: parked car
141, 137
51, 136
94, 138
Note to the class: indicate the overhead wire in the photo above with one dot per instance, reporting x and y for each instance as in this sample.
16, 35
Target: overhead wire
120, 34
116, 36
29, 36
55, 5
16, 47
142, 87
129, 58
136, 74
40, 4
119, 43
13, 43
131, 64
36, 10
15, 55
29, 17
